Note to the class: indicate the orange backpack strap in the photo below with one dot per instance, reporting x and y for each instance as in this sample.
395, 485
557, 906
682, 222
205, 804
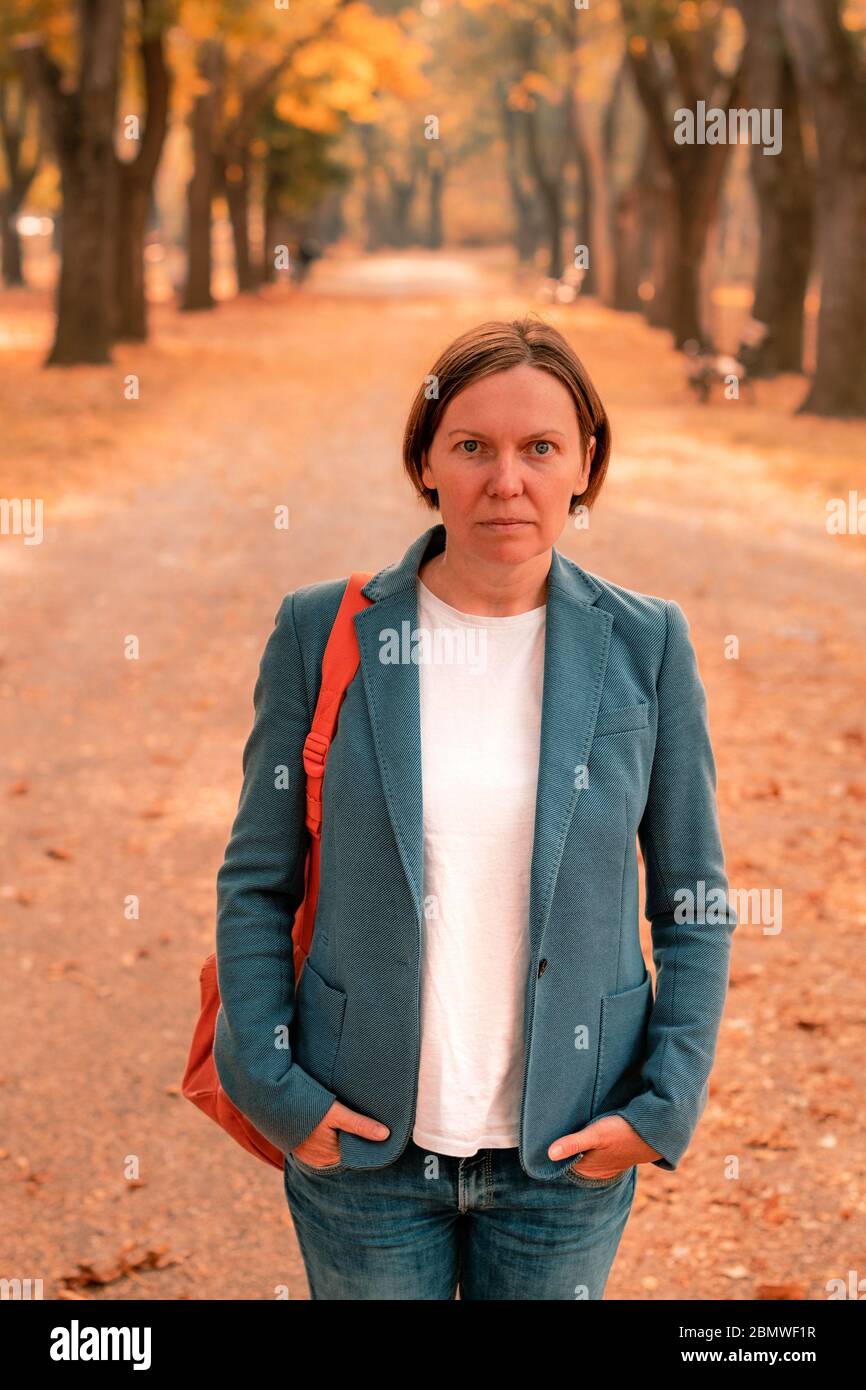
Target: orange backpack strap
340, 663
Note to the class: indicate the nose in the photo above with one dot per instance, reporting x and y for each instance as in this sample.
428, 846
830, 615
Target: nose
505, 479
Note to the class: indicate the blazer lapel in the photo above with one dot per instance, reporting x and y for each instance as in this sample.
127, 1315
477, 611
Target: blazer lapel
393, 693
576, 650
576, 647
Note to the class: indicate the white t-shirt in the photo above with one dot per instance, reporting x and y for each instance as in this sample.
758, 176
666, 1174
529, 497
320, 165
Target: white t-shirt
481, 681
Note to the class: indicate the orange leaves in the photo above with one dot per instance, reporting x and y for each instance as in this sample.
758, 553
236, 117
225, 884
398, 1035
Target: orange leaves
308, 117
126, 1265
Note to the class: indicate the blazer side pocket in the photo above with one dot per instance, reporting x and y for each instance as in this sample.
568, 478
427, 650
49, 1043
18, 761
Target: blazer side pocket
622, 1045
317, 1027
620, 721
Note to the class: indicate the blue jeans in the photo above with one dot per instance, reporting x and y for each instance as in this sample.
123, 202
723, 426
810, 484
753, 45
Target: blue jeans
421, 1226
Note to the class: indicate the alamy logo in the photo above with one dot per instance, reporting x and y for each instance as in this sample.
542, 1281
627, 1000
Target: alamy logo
760, 906
22, 516
443, 646
17, 1289
76, 1343
737, 126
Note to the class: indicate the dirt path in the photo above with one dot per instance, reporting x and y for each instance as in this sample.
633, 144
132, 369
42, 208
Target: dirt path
122, 776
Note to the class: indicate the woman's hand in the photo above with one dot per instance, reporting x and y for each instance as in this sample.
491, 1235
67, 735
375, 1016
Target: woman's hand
610, 1145
321, 1148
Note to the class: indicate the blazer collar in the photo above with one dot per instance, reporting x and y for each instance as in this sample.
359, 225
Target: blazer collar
577, 642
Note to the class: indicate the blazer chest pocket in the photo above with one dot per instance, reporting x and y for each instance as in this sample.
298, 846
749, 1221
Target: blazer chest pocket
317, 1025
621, 721
622, 1045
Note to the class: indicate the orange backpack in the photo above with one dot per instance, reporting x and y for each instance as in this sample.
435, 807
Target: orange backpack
201, 1083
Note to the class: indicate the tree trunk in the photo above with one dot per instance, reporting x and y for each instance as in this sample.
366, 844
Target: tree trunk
231, 159
434, 207
11, 242
576, 135
332, 218
85, 317
236, 182
526, 238
832, 79
550, 189
686, 323
660, 251
271, 224
785, 203
784, 192
372, 202
590, 168
546, 175
556, 260
224, 152
585, 212
622, 209
200, 189
18, 179
695, 171
402, 194
82, 122
131, 302
627, 268
136, 178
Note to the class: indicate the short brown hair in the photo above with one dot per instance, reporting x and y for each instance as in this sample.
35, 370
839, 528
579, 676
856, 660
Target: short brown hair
494, 347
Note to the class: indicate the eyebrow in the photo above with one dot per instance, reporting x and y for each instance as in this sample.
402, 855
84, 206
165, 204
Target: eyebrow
534, 433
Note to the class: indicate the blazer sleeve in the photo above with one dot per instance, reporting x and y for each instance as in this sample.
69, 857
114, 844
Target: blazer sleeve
259, 889
684, 862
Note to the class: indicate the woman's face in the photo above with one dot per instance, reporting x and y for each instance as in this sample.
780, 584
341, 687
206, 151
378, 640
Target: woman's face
507, 450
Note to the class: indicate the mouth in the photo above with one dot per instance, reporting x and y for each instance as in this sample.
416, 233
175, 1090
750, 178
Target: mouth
506, 524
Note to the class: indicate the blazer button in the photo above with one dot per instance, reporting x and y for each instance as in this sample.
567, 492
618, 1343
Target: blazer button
542, 966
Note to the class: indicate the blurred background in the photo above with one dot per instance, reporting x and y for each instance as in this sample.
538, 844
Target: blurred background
235, 237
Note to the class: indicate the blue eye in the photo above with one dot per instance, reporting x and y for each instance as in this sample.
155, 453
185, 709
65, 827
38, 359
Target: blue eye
468, 441
547, 444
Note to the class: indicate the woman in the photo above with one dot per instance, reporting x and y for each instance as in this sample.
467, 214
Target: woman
477, 1061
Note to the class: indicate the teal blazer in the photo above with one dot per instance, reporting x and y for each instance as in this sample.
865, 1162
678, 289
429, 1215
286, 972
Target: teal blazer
625, 759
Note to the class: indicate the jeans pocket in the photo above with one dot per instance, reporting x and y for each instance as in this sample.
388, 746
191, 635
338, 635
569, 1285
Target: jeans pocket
310, 1168
579, 1180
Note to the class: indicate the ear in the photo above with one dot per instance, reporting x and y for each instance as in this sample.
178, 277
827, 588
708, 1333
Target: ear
583, 477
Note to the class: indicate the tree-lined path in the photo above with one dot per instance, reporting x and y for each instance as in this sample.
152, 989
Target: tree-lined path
121, 777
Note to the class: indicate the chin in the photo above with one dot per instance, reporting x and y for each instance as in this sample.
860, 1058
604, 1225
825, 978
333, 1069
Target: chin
520, 544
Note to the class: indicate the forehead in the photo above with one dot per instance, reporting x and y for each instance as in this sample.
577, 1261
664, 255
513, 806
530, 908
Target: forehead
513, 396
